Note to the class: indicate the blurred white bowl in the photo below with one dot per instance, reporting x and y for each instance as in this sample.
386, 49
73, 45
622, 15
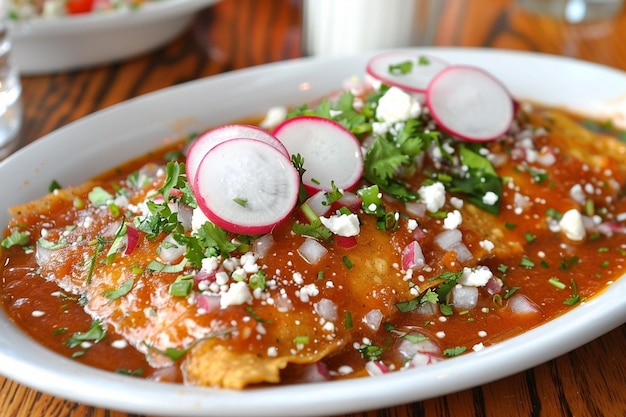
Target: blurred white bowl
72, 42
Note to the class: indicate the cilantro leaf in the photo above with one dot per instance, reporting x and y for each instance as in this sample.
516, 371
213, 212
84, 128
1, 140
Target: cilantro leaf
95, 334
121, 291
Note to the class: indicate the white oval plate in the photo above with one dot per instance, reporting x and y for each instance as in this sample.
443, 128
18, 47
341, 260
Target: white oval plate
85, 40
104, 139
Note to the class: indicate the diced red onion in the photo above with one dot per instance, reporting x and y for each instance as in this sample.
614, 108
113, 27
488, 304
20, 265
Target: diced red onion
464, 297
373, 319
609, 228
413, 257
327, 309
452, 240
203, 276
208, 303
132, 238
312, 251
262, 245
315, 372
419, 234
375, 368
423, 359
346, 242
494, 285
521, 304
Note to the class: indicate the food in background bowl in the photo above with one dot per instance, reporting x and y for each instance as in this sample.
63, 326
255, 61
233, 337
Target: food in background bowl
29, 9
66, 42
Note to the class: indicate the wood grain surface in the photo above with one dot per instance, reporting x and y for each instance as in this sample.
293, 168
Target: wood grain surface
587, 382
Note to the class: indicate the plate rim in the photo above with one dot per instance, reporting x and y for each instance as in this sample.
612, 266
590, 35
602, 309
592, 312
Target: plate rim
234, 403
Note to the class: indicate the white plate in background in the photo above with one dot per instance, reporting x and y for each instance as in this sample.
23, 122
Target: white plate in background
102, 140
84, 40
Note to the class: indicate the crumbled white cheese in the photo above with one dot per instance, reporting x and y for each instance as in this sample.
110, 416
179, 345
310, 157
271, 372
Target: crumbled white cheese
572, 225
456, 202
397, 106
490, 198
210, 264
238, 293
248, 263
433, 196
475, 277
453, 220
307, 291
342, 225
198, 218
486, 245
273, 117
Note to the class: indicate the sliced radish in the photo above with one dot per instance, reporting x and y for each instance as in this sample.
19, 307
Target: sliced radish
214, 137
331, 152
424, 69
246, 186
470, 103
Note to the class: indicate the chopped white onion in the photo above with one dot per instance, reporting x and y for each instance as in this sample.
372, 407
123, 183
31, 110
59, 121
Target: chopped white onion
42, 255
262, 245
416, 209
452, 240
408, 348
464, 297
318, 203
312, 251
373, 319
170, 250
520, 304
185, 213
327, 309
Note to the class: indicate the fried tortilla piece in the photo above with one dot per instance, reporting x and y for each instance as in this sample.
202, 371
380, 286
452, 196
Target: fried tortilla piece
215, 363
50, 202
583, 144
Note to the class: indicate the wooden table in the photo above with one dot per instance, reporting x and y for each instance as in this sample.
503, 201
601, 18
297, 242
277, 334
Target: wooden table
590, 381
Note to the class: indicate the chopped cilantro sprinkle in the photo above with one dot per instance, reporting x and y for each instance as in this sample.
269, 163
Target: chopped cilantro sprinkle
455, 351
16, 238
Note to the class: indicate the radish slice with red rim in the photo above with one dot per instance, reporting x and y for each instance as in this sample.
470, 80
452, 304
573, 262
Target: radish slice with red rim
470, 103
331, 152
205, 142
246, 186
416, 73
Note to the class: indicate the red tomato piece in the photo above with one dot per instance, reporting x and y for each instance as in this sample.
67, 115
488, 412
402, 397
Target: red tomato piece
79, 6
